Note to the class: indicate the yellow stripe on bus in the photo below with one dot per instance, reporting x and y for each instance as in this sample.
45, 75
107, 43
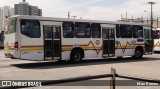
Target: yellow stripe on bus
69, 48
156, 45
32, 48
127, 47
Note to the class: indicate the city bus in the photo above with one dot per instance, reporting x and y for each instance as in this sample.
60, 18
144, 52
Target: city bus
48, 38
156, 36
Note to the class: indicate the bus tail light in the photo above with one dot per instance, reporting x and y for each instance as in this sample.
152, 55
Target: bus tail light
16, 45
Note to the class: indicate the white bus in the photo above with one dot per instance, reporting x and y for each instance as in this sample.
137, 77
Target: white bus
156, 35
46, 38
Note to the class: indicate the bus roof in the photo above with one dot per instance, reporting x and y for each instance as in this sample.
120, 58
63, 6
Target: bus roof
75, 20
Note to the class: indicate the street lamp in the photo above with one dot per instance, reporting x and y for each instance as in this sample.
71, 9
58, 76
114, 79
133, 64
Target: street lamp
152, 22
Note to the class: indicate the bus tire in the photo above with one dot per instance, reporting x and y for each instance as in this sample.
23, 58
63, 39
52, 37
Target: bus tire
76, 56
138, 54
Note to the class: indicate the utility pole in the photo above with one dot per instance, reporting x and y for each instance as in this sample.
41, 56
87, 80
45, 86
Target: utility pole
68, 14
152, 3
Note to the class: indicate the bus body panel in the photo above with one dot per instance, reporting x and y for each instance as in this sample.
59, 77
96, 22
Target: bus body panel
91, 47
124, 47
31, 48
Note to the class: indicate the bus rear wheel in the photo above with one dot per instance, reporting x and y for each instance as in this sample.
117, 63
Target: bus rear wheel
76, 56
138, 54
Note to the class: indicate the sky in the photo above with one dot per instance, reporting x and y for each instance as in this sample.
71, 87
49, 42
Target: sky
92, 9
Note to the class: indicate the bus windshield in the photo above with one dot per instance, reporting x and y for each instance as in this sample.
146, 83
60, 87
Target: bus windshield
11, 25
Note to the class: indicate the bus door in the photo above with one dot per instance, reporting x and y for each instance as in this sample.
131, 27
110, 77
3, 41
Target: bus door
52, 41
148, 40
108, 40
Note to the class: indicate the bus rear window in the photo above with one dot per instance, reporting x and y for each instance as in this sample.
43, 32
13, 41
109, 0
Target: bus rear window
12, 25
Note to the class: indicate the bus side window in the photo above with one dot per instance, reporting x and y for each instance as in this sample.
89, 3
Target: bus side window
96, 30
126, 31
82, 30
30, 28
137, 31
68, 30
56, 32
48, 31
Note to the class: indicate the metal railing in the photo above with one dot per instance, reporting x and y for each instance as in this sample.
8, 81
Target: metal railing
113, 76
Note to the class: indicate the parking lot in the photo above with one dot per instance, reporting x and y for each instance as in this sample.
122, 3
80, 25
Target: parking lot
11, 69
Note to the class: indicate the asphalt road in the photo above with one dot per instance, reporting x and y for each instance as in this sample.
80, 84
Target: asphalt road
11, 69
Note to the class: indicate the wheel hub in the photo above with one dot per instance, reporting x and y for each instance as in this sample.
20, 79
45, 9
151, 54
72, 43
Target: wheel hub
77, 56
138, 54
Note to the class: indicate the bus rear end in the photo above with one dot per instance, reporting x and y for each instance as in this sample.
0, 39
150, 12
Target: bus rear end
10, 42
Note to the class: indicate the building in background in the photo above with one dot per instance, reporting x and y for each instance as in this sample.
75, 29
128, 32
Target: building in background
23, 8
5, 12
11, 11
1, 11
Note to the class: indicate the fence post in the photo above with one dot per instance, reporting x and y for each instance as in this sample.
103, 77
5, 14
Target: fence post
113, 78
